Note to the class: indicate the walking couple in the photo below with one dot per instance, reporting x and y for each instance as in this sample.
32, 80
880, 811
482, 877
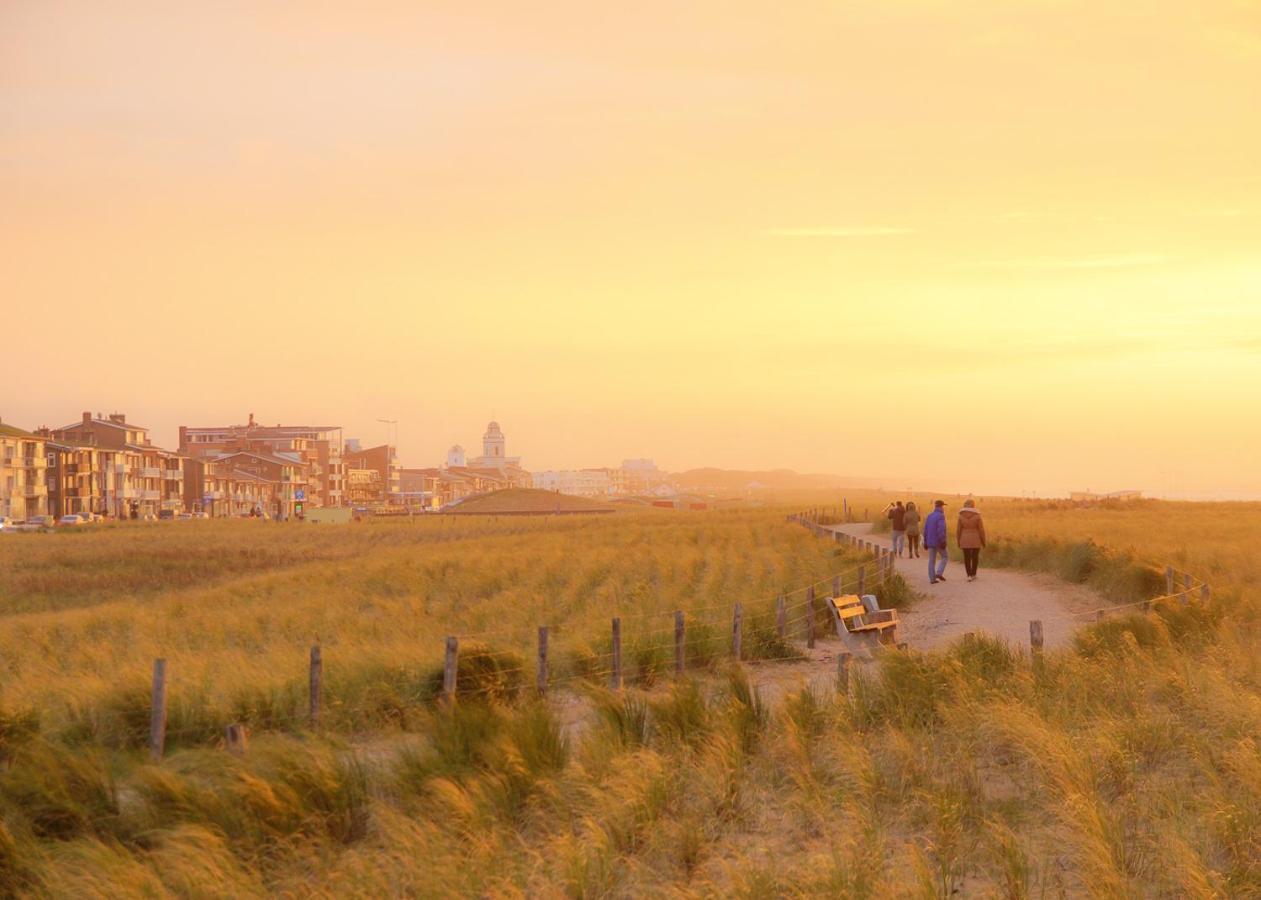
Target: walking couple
969, 534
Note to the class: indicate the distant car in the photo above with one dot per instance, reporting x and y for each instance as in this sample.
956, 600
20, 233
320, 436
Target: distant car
201, 515
165, 514
183, 515
71, 519
40, 523
88, 517
7, 523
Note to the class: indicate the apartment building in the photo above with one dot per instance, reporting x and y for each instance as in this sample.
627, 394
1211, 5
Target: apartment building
319, 446
81, 479
145, 479
23, 474
420, 487
384, 461
249, 480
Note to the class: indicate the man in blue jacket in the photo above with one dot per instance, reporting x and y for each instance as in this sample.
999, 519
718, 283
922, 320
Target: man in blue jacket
935, 542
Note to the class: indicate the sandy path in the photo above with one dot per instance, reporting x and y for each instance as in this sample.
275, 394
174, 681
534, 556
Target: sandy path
1000, 601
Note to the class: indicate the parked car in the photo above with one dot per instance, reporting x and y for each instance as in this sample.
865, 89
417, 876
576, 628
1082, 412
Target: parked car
201, 515
165, 514
183, 515
40, 523
70, 519
7, 523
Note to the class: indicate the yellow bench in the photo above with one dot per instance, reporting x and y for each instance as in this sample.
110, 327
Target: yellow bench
852, 615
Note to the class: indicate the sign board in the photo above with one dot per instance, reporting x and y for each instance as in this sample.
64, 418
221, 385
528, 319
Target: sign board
299, 494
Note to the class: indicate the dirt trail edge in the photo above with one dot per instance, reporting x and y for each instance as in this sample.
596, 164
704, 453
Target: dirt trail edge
1000, 601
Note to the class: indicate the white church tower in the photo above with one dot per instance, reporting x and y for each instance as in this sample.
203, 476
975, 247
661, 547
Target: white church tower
493, 442
455, 457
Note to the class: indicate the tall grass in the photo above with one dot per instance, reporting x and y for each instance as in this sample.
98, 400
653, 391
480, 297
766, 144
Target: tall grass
1126, 765
233, 607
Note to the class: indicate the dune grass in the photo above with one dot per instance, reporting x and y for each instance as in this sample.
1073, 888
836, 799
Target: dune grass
1128, 765
380, 599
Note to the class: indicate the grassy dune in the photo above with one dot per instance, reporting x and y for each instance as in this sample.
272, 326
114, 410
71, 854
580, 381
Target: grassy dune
1127, 766
234, 607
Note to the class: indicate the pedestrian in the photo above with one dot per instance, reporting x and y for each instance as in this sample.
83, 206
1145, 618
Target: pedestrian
970, 533
897, 514
911, 521
935, 542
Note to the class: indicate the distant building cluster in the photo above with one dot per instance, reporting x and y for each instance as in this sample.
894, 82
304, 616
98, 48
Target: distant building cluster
106, 465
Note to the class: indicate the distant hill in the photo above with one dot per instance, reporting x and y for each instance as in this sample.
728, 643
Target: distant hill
526, 502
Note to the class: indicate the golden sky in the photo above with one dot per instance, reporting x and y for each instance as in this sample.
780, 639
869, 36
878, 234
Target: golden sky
993, 245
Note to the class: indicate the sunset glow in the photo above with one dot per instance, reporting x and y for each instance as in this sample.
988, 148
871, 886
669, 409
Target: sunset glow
991, 246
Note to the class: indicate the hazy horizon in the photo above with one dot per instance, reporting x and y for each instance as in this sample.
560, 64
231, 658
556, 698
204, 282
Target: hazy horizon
1015, 245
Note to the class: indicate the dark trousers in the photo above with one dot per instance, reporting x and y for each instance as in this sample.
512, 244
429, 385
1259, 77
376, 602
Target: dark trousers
912, 544
971, 558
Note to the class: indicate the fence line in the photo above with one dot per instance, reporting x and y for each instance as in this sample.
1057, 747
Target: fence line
762, 630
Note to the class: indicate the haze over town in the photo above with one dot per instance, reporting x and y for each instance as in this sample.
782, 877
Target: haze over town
692, 234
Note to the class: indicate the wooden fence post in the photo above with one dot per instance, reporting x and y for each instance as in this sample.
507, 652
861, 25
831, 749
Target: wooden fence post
810, 616
541, 679
1035, 635
680, 647
237, 738
781, 616
316, 683
1098, 615
157, 711
1168, 581
1204, 594
862, 580
737, 632
616, 679
836, 585
842, 673
1187, 581
451, 669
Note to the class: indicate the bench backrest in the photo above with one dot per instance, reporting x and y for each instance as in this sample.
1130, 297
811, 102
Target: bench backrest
849, 609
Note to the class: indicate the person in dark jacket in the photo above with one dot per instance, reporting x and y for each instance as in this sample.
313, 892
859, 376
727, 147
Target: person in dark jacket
935, 542
970, 534
897, 515
911, 521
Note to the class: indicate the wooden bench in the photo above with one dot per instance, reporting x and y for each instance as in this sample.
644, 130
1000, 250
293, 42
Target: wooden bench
850, 614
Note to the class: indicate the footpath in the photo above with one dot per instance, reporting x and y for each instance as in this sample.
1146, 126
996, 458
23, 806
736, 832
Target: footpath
1000, 601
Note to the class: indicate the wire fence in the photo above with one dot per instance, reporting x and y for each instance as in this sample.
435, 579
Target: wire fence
639, 648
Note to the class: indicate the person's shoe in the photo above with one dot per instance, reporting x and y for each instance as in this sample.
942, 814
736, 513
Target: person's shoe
971, 578
941, 577
934, 581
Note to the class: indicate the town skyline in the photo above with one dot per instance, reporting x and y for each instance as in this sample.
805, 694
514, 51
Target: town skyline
413, 458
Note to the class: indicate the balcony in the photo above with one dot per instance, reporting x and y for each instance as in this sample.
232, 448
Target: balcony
130, 493
173, 474
150, 472
35, 490
34, 462
149, 495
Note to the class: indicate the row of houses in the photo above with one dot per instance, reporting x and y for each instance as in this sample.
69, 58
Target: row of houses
109, 466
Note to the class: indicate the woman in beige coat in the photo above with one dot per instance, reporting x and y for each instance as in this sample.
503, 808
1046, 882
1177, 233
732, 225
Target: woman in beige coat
970, 534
